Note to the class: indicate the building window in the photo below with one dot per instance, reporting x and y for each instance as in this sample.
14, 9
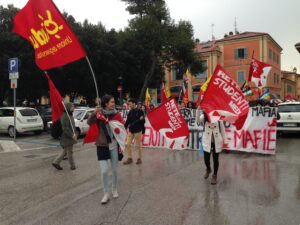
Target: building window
241, 53
203, 75
175, 73
276, 78
270, 54
277, 59
241, 77
195, 96
289, 89
274, 57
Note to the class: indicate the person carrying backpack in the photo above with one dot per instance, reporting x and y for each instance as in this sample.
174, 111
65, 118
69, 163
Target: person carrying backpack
68, 137
212, 140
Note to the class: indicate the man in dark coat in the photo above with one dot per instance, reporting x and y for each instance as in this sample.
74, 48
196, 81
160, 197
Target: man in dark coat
136, 124
68, 137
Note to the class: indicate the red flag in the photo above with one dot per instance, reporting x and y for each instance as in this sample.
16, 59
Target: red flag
224, 100
164, 98
56, 101
116, 124
41, 23
258, 73
168, 120
92, 134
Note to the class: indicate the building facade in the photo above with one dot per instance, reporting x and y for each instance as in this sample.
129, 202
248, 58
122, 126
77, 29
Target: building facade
290, 84
233, 53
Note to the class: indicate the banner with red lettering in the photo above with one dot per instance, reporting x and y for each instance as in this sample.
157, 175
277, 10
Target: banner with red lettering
224, 100
258, 135
41, 23
168, 121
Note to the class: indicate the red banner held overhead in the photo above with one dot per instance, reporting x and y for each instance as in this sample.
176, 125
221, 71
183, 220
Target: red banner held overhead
259, 72
41, 23
168, 120
224, 100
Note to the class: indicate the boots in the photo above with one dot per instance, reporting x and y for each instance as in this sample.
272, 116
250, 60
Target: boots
138, 162
128, 161
214, 180
206, 175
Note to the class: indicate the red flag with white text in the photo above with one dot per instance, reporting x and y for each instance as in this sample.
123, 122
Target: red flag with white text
224, 100
56, 100
168, 121
258, 73
41, 23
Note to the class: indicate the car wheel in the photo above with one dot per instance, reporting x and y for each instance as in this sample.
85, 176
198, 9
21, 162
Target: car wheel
77, 132
11, 131
38, 132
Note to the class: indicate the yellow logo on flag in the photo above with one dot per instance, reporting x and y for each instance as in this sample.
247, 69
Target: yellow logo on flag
48, 27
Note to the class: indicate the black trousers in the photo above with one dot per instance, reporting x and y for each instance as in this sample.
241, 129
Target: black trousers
215, 158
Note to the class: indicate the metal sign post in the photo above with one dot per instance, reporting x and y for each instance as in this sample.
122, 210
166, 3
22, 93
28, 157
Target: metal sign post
13, 68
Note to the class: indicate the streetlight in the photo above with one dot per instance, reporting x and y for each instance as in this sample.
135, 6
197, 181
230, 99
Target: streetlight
120, 89
297, 46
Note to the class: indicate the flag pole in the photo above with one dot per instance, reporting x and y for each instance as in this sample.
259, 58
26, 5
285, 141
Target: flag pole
63, 106
94, 78
68, 117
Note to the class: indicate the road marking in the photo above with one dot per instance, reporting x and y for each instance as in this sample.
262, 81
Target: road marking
41, 143
9, 146
38, 148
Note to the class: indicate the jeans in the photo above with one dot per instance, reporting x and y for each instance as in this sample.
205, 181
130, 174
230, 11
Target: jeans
66, 151
215, 157
104, 170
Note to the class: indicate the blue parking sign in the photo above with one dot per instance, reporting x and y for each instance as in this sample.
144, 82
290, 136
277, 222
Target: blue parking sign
13, 66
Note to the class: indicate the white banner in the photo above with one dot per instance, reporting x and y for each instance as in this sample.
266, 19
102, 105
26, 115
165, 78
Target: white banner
258, 134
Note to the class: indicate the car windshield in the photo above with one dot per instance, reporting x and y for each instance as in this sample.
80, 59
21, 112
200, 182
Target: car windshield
289, 108
28, 112
78, 114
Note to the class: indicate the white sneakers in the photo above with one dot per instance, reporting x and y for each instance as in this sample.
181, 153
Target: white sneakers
115, 193
106, 196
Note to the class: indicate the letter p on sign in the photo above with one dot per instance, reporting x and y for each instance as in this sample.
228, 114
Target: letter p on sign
13, 65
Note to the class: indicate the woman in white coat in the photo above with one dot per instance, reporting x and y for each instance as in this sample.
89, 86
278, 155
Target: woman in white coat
212, 141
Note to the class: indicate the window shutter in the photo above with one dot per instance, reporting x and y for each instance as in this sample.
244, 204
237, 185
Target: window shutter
246, 53
236, 52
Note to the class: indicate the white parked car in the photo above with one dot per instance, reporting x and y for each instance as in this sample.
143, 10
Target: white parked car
289, 116
28, 120
81, 115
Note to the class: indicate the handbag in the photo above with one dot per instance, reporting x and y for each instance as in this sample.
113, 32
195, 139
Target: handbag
120, 155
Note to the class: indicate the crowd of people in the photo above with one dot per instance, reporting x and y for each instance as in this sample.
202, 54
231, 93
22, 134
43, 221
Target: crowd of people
108, 148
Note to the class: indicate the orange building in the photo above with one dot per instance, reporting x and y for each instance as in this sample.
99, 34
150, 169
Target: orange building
233, 53
290, 84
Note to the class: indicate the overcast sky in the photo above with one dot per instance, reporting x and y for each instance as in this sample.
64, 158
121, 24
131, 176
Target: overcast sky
279, 18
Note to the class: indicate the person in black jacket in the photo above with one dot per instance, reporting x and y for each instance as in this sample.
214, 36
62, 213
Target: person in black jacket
136, 124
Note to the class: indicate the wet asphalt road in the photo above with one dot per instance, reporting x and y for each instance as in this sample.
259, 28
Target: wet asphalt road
167, 188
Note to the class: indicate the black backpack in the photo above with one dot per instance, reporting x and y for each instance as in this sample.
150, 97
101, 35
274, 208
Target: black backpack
56, 130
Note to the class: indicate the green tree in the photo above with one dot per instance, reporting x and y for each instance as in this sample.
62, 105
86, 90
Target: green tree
162, 41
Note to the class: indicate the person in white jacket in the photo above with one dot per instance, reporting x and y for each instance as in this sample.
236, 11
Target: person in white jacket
212, 141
